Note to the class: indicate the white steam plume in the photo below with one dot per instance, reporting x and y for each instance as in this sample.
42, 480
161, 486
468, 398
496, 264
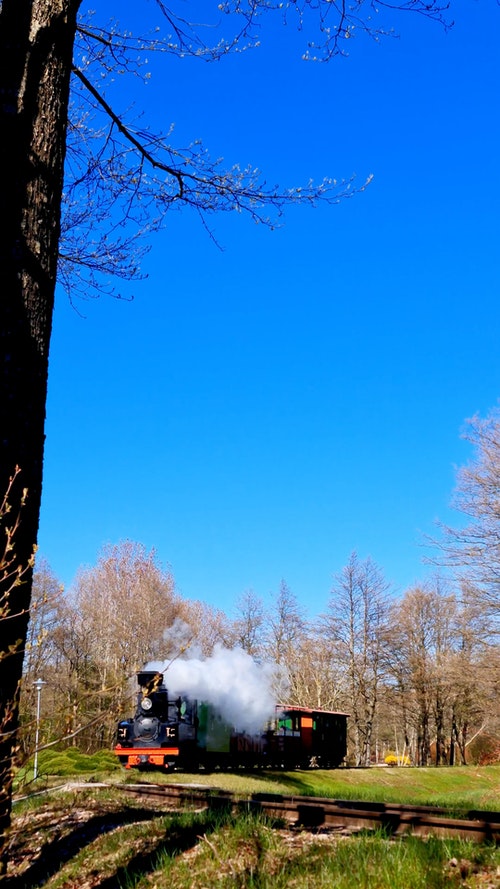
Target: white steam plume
229, 679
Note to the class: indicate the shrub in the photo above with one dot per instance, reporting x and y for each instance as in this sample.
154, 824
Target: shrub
72, 761
392, 759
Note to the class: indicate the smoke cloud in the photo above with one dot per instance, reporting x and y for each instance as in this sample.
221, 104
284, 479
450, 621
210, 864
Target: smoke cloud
229, 679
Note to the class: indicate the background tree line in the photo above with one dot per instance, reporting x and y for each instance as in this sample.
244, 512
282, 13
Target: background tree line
418, 673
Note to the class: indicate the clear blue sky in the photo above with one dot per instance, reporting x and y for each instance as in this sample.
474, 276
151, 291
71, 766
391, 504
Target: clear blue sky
259, 412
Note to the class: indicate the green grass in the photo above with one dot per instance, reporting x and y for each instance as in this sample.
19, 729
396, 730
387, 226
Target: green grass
73, 762
459, 788
369, 862
250, 853
88, 837
69, 763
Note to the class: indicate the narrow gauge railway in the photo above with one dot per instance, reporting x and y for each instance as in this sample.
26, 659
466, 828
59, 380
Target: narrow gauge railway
315, 813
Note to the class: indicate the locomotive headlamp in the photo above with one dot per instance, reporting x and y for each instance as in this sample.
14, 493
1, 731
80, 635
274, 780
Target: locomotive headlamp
146, 704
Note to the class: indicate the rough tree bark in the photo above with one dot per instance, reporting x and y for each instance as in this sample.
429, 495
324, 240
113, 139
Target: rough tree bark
36, 47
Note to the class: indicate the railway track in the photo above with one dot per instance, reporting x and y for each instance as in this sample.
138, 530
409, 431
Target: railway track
315, 813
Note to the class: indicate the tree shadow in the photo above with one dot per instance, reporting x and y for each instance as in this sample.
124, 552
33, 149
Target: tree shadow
57, 852
295, 781
179, 838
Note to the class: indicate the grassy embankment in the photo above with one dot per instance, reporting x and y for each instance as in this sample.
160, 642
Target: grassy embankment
95, 839
460, 788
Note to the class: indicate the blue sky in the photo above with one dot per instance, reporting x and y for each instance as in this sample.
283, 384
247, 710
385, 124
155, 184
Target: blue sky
260, 411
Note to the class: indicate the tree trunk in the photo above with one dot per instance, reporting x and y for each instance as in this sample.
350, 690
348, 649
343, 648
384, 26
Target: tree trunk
451, 760
36, 47
440, 732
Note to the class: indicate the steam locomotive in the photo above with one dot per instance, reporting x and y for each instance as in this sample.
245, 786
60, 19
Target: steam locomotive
188, 734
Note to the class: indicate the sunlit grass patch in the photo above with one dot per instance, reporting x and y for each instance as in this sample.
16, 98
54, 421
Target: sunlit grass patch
69, 763
377, 863
110, 854
245, 852
249, 853
457, 788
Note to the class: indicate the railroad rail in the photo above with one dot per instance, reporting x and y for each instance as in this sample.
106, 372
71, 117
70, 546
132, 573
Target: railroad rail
315, 813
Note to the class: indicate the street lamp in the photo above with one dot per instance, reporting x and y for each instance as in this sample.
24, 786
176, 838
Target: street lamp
39, 683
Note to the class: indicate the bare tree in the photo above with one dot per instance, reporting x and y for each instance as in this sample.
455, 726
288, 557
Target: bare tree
473, 672
356, 625
413, 638
316, 677
40, 649
41, 47
434, 656
116, 619
248, 625
473, 551
285, 625
209, 626
284, 631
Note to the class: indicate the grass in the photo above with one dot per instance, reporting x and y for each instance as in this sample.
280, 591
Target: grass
107, 840
69, 763
466, 788
459, 788
198, 850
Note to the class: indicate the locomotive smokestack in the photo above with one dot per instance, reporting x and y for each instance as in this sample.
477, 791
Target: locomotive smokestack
149, 679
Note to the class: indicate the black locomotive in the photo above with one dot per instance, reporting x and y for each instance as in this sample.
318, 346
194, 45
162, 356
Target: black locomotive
188, 734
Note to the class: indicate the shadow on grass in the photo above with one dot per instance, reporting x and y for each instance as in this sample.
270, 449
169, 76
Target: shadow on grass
57, 852
295, 782
179, 838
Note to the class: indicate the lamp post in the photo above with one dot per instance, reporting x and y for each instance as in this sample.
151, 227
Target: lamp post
39, 683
